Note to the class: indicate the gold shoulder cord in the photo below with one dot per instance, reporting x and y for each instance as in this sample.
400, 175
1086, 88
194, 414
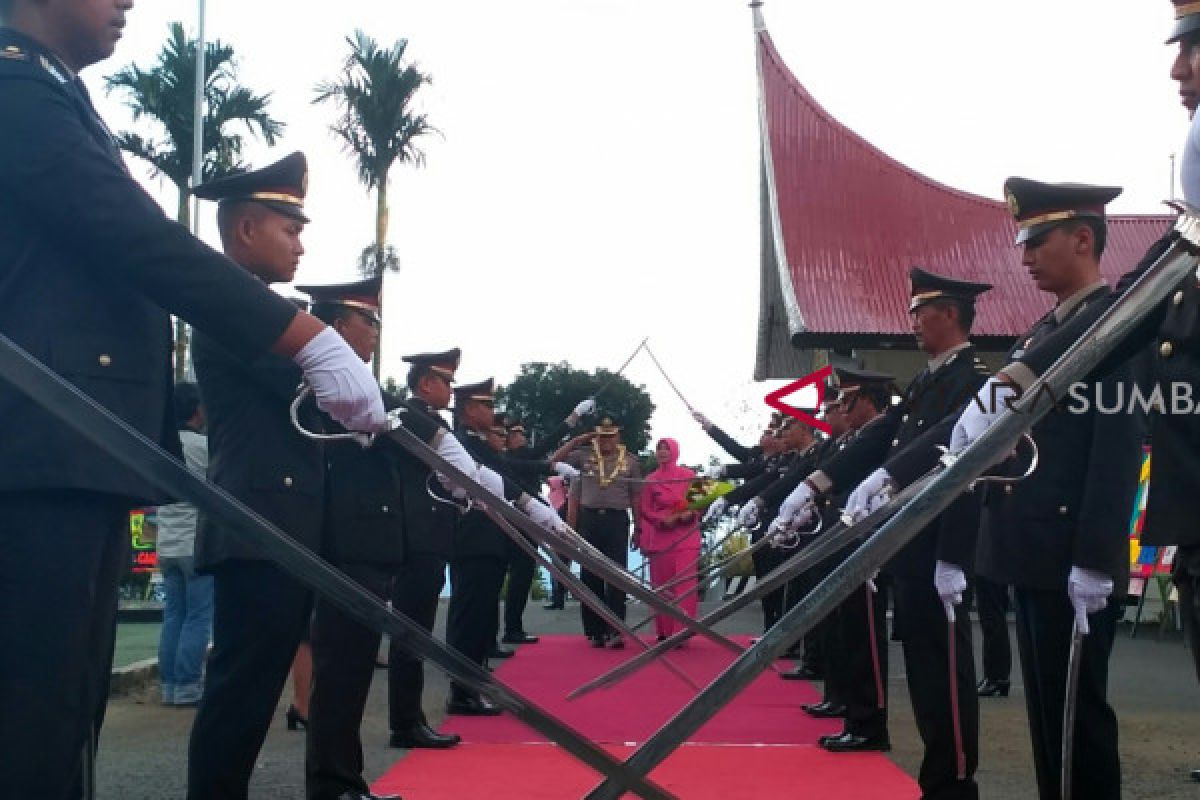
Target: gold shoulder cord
618, 468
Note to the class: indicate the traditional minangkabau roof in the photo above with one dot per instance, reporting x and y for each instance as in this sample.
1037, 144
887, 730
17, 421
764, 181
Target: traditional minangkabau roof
842, 224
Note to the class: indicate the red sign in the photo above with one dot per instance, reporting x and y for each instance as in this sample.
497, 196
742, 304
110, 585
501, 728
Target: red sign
817, 379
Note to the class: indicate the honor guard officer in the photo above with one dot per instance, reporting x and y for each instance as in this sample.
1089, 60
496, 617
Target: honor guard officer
1172, 332
1073, 511
260, 613
602, 497
480, 554
930, 572
428, 539
91, 269
521, 566
365, 523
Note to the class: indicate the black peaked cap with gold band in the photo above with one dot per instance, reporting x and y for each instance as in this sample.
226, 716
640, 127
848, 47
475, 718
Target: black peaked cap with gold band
606, 425
928, 286
484, 391
444, 364
1038, 207
850, 379
361, 296
280, 186
1187, 19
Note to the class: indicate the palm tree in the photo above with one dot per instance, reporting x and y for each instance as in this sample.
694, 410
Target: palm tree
165, 92
377, 126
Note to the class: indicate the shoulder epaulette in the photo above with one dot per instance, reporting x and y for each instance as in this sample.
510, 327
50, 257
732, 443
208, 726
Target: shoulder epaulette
11, 52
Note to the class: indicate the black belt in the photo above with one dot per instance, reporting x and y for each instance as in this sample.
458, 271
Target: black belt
603, 511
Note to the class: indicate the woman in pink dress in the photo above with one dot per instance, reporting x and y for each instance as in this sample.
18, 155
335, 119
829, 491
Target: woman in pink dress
670, 532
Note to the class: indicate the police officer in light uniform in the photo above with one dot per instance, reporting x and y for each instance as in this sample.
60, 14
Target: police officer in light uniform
91, 268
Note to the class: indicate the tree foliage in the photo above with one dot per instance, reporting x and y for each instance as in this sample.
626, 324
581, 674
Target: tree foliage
542, 395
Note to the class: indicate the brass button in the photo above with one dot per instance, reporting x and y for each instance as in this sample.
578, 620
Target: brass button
1178, 298
287, 480
920, 422
895, 442
1008, 489
904, 418
384, 509
105, 360
1062, 510
1165, 349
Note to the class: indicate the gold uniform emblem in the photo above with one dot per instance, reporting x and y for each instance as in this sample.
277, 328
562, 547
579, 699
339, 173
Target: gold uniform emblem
1013, 205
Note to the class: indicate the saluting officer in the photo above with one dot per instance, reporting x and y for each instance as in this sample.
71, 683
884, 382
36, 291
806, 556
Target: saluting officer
91, 269
1172, 332
260, 612
428, 543
929, 572
601, 499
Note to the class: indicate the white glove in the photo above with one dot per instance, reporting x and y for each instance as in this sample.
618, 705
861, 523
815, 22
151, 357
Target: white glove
544, 516
950, 582
1089, 591
342, 383
450, 448
859, 503
748, 516
715, 472
491, 481
715, 510
702, 420
565, 470
988, 404
797, 510
585, 407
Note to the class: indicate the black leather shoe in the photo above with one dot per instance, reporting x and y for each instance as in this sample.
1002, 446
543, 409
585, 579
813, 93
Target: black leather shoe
829, 737
519, 638
423, 736
596, 641
615, 641
367, 796
1196, 775
501, 652
800, 674
554, 607
295, 720
824, 710
472, 706
990, 688
849, 743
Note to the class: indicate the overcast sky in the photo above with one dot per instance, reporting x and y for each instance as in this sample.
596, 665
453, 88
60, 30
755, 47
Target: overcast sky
597, 177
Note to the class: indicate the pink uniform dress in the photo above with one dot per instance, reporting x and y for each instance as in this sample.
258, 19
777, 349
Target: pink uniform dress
670, 535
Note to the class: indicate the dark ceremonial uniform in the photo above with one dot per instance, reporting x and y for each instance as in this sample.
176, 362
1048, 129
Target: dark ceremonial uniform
605, 491
1073, 511
260, 613
430, 518
1172, 335
477, 565
89, 270
730, 445
939, 391
528, 471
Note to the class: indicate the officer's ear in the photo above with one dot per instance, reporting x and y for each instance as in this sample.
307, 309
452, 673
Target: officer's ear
1083, 239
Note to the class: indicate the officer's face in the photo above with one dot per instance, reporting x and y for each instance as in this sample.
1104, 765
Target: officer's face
360, 332
1186, 71
516, 440
932, 324
1051, 259
270, 244
436, 390
88, 30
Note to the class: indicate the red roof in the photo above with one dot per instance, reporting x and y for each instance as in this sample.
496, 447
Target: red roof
852, 221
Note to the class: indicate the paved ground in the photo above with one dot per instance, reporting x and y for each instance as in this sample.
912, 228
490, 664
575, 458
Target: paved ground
1152, 687
136, 641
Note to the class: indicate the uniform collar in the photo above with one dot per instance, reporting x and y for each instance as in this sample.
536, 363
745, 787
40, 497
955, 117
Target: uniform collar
941, 360
1067, 307
52, 62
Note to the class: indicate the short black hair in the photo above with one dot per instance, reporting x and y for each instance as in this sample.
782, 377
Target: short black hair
330, 313
966, 310
230, 212
1099, 232
186, 398
415, 373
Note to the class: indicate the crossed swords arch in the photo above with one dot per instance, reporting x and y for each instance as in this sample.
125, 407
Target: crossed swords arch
95, 423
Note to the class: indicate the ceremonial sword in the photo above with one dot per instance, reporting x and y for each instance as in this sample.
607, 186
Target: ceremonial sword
1176, 264
1074, 662
129, 447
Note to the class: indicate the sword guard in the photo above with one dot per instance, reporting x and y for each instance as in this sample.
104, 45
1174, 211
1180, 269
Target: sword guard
363, 439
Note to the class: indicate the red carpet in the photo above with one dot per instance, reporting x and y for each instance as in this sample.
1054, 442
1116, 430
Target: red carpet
760, 745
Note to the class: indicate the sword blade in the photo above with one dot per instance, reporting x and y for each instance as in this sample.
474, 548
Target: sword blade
1117, 322
1074, 662
97, 424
